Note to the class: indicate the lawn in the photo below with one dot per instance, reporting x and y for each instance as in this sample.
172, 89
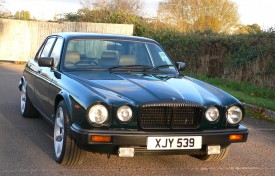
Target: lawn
245, 92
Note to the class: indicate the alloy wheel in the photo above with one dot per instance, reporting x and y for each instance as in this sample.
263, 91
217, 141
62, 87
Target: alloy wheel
59, 132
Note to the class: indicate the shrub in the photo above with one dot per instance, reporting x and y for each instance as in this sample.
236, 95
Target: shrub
241, 57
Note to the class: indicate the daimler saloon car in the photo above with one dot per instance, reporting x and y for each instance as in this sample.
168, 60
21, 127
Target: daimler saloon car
123, 95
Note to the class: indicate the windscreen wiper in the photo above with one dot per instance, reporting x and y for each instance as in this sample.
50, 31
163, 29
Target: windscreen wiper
129, 67
158, 67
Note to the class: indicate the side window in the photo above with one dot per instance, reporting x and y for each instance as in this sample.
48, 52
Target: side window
47, 48
56, 53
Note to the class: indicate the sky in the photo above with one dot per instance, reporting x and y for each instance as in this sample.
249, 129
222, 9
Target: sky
251, 11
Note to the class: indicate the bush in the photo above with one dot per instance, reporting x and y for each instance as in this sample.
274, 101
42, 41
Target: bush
243, 57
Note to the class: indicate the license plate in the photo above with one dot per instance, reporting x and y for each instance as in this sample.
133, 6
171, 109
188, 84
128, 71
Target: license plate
174, 142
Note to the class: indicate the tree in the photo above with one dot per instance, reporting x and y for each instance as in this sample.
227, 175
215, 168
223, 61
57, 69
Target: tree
105, 11
125, 6
248, 29
22, 15
202, 15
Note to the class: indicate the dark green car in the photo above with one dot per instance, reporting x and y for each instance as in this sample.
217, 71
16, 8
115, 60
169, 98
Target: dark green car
123, 95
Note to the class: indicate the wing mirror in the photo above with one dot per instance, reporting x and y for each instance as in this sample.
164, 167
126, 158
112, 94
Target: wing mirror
180, 66
46, 62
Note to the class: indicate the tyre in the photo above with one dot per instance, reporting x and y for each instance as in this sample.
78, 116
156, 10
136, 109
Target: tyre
27, 108
219, 157
65, 148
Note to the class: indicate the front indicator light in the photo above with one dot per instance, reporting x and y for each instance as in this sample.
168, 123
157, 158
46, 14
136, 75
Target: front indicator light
236, 137
100, 138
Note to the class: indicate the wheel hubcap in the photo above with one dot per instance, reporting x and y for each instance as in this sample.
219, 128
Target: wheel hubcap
59, 132
23, 99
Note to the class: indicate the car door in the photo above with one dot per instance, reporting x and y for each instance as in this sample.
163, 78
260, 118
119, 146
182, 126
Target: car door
43, 80
54, 87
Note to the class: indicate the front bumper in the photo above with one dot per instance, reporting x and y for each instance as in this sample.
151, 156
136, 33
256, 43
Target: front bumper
138, 139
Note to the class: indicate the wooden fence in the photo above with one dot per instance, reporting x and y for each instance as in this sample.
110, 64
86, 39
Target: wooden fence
19, 40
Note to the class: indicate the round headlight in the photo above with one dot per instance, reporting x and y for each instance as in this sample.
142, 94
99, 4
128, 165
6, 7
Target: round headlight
98, 114
212, 114
234, 115
124, 113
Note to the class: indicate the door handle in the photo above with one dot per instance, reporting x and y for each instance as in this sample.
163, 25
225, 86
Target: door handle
39, 71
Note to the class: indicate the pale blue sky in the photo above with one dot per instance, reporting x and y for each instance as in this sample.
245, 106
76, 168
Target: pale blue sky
251, 11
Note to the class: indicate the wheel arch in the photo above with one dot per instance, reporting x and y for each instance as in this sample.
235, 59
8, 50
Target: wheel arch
62, 96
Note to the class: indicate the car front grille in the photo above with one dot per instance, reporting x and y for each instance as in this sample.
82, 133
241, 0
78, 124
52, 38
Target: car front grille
170, 115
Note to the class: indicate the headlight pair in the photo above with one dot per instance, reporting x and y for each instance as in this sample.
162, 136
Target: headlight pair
98, 114
234, 115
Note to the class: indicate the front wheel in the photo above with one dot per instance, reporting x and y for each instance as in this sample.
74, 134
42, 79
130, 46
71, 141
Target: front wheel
65, 148
219, 157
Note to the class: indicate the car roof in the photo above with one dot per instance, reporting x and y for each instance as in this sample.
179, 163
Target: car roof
82, 35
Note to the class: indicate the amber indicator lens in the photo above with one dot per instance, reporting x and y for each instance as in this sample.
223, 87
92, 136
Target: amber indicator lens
100, 138
76, 106
236, 137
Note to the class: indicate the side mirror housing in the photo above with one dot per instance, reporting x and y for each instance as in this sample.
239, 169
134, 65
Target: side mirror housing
180, 66
46, 62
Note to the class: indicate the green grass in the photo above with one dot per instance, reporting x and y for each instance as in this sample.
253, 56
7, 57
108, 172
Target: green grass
245, 92
258, 115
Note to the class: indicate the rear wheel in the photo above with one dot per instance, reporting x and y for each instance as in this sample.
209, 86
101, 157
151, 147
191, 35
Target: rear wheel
66, 150
27, 108
219, 157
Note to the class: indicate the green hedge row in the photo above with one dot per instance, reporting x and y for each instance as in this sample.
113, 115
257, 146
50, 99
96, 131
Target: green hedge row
243, 57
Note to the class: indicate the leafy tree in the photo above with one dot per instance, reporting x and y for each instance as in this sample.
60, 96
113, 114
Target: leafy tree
105, 11
110, 11
202, 15
22, 15
254, 28
126, 6
248, 29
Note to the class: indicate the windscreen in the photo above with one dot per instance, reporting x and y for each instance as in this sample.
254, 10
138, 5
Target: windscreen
95, 53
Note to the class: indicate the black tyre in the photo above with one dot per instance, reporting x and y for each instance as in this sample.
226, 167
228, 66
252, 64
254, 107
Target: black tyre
65, 148
219, 157
27, 108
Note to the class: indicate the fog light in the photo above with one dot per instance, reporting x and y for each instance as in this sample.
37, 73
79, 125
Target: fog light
126, 152
213, 149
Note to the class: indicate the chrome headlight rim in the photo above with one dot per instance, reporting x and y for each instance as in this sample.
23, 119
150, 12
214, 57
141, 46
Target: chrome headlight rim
240, 110
104, 122
214, 109
119, 118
